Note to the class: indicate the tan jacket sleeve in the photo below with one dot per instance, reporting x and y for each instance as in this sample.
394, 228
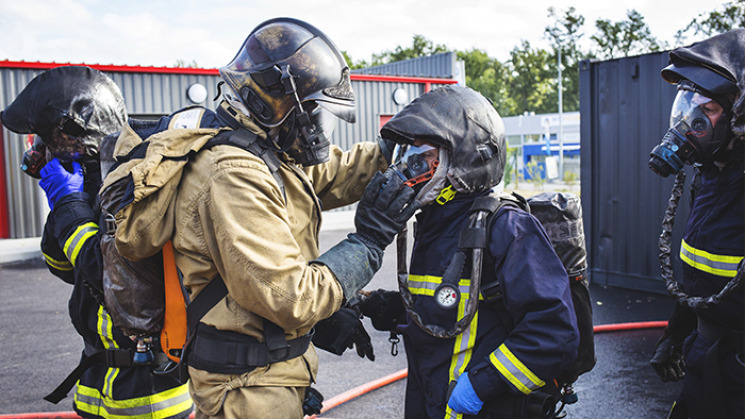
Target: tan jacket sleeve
342, 180
254, 250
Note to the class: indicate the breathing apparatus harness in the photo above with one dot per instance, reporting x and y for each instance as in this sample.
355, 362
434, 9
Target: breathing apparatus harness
447, 295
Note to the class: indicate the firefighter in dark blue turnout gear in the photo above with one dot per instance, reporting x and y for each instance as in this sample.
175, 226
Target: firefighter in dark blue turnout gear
72, 109
703, 343
503, 362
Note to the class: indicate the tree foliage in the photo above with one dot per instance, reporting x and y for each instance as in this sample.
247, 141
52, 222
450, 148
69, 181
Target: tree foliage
730, 16
527, 81
625, 37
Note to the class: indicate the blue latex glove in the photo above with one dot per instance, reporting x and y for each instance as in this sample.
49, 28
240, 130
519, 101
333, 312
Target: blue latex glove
58, 182
464, 399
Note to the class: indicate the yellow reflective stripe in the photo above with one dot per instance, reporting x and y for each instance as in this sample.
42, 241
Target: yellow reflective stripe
515, 371
156, 406
427, 285
106, 329
60, 265
106, 334
76, 240
463, 346
721, 265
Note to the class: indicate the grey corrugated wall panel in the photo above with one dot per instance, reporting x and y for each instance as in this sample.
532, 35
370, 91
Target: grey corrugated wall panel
625, 108
156, 94
26, 210
439, 65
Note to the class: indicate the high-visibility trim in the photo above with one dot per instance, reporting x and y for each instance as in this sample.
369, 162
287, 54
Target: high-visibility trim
76, 240
423, 284
721, 265
161, 405
515, 371
60, 265
463, 345
427, 284
105, 328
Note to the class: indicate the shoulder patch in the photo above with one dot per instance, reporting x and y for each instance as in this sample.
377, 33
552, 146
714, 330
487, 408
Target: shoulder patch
187, 119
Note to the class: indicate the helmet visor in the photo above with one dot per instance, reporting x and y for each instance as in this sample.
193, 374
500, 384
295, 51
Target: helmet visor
415, 161
344, 111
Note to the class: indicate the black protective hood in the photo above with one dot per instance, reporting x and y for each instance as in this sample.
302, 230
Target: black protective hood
461, 121
71, 108
715, 64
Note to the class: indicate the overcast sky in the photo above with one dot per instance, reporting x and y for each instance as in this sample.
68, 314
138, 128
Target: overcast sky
209, 32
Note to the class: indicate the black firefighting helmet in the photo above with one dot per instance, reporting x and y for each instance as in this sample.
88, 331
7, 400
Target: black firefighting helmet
71, 108
288, 67
465, 125
705, 71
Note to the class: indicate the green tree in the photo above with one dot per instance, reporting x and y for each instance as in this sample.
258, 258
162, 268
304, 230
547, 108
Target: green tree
487, 76
532, 81
730, 16
351, 63
625, 37
565, 34
420, 47
184, 64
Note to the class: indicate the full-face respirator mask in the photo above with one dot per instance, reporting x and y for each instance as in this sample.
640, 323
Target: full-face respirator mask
699, 127
422, 167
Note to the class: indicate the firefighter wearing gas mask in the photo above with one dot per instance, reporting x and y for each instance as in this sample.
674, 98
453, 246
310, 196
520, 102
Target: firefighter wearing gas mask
703, 343
249, 213
451, 149
70, 110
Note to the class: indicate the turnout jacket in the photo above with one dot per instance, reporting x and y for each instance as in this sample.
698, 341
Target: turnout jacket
512, 354
713, 245
713, 242
70, 245
232, 219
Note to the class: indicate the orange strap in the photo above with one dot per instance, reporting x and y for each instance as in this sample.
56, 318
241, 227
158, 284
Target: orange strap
173, 335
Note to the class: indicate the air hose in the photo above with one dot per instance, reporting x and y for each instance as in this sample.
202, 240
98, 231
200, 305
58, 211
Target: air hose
667, 270
364, 388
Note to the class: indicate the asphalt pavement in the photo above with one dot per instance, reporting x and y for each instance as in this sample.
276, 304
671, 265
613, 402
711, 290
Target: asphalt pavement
39, 348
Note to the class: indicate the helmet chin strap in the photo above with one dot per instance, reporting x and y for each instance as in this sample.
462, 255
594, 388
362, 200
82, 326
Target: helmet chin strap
431, 190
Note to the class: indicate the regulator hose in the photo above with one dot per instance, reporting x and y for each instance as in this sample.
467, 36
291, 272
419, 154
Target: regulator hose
471, 305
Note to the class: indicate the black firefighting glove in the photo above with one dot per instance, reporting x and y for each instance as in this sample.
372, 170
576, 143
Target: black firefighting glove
384, 308
386, 147
384, 209
667, 360
342, 331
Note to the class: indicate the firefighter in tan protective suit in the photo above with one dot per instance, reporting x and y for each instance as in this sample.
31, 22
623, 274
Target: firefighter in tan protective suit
248, 213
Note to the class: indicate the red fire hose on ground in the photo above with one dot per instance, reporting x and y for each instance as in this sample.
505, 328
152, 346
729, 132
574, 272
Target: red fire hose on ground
365, 388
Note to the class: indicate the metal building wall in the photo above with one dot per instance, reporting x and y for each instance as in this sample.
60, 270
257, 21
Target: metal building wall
625, 108
153, 94
26, 206
443, 65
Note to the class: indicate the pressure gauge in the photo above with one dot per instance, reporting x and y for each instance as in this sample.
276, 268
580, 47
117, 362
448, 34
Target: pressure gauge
447, 296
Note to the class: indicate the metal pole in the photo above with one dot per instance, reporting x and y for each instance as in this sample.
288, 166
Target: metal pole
561, 121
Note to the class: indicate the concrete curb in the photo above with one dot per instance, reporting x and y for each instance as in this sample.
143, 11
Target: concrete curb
16, 250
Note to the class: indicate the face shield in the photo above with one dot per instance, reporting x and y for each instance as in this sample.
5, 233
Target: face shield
415, 164
698, 129
69, 141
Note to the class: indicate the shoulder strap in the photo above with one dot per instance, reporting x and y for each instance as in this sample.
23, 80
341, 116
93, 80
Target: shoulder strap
491, 204
247, 140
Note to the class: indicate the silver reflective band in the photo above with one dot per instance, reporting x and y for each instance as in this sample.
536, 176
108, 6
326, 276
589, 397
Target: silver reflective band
721, 265
515, 371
